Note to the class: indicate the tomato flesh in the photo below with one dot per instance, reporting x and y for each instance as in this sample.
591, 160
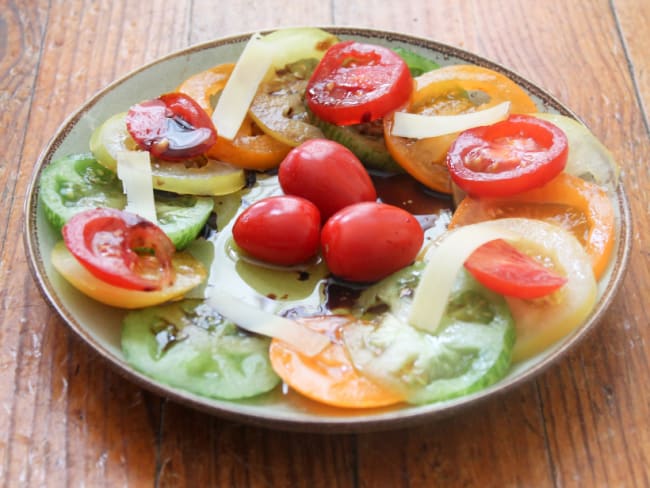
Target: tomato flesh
327, 174
502, 268
509, 157
172, 127
281, 230
121, 248
356, 83
367, 241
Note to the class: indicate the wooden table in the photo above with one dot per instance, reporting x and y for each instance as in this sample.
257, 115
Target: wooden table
67, 420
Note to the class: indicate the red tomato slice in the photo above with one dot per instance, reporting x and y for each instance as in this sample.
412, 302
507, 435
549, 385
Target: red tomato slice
509, 157
172, 127
121, 248
502, 268
356, 83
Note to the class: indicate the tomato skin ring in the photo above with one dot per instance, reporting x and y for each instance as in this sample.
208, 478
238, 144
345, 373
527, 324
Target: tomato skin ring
538, 167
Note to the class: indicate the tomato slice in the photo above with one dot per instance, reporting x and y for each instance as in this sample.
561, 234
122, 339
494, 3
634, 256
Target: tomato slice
450, 90
171, 127
251, 148
121, 248
329, 377
188, 274
504, 269
506, 158
581, 207
356, 83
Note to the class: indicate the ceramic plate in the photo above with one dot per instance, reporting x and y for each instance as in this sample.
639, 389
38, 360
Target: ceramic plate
99, 326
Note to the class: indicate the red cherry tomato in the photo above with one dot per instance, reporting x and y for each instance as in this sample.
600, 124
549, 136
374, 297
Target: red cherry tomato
172, 127
327, 174
281, 230
115, 247
509, 157
367, 241
504, 269
356, 83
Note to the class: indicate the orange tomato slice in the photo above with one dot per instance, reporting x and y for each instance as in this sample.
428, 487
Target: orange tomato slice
581, 207
251, 148
328, 377
450, 90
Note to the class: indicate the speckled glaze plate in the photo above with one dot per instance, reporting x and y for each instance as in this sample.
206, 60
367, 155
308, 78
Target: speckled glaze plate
99, 325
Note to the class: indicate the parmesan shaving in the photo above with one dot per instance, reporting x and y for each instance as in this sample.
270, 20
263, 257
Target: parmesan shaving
419, 126
258, 321
444, 262
134, 170
241, 87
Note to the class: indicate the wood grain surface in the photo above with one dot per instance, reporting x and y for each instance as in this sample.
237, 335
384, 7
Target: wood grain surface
67, 420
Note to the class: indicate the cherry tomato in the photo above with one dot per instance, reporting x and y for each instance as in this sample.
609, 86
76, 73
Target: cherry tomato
356, 83
327, 174
367, 241
504, 269
108, 243
509, 157
329, 377
281, 230
172, 127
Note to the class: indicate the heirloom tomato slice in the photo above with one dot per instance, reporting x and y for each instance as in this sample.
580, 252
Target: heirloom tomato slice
121, 248
171, 127
577, 205
329, 377
509, 157
450, 90
356, 83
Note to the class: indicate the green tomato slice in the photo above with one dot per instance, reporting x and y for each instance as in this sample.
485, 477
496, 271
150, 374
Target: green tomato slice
76, 183
196, 176
190, 346
588, 158
470, 350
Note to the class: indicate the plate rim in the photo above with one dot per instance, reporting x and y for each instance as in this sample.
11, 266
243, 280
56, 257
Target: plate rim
385, 419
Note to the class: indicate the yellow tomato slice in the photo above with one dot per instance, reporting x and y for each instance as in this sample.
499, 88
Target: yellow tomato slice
189, 273
450, 90
581, 207
328, 377
251, 148
542, 322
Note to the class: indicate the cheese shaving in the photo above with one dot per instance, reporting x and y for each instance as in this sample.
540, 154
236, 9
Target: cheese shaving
258, 321
134, 170
241, 87
419, 126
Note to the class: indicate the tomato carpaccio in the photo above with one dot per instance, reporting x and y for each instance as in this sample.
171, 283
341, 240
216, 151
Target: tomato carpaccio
327, 174
283, 230
367, 241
